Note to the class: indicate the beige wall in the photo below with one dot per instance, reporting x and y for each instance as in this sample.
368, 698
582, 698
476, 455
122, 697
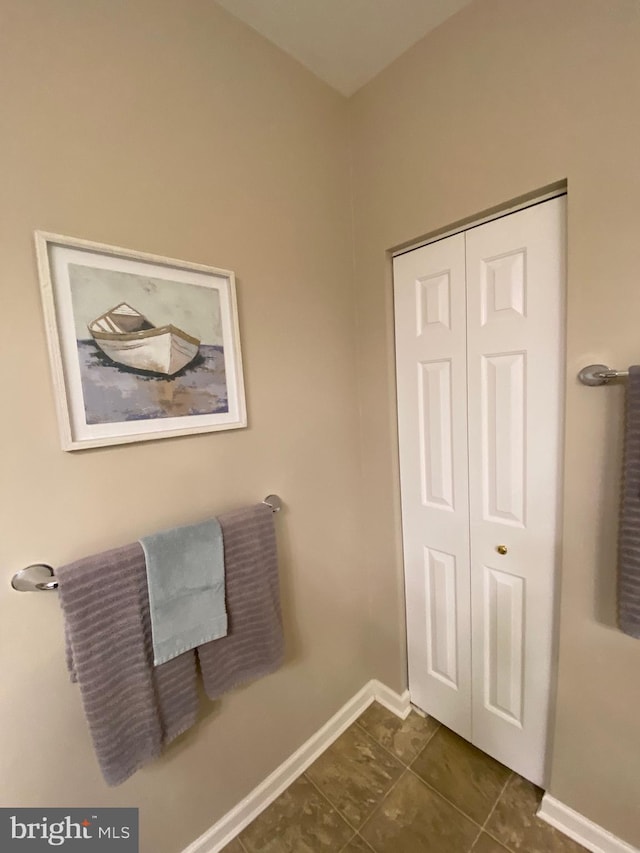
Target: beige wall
507, 97
166, 126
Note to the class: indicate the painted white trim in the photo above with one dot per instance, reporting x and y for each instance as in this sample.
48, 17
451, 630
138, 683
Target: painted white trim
241, 815
398, 703
581, 829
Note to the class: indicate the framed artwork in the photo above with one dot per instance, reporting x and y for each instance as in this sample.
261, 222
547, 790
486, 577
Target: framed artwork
141, 347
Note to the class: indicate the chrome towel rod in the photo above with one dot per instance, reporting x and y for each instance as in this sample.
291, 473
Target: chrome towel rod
40, 577
600, 374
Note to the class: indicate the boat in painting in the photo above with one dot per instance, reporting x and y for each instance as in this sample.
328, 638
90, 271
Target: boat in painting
128, 338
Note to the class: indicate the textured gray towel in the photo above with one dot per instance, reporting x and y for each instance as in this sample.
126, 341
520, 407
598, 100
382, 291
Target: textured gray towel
629, 534
253, 646
185, 577
133, 708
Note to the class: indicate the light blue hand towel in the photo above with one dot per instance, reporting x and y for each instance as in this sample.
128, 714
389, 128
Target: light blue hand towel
185, 575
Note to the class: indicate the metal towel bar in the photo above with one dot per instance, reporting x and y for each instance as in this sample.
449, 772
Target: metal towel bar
41, 578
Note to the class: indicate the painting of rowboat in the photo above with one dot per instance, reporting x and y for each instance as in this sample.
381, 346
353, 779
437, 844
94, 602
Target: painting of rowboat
134, 369
126, 337
145, 347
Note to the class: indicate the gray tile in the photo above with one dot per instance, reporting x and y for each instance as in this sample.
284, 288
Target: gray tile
299, 821
357, 845
415, 819
515, 825
486, 844
404, 738
461, 773
354, 774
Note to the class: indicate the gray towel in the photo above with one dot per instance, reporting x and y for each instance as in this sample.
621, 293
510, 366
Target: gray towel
253, 646
629, 534
185, 576
132, 708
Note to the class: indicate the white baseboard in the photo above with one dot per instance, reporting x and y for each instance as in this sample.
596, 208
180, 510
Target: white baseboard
222, 832
581, 829
398, 703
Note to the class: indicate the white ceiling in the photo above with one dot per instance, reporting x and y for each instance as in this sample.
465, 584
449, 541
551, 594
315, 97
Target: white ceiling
344, 42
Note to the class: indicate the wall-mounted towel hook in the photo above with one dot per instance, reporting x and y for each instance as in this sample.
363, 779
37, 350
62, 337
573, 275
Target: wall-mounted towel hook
40, 577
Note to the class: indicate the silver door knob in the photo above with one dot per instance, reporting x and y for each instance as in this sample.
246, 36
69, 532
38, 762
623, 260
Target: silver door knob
501, 549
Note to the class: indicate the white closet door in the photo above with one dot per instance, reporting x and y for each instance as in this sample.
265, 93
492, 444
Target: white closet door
430, 310
515, 274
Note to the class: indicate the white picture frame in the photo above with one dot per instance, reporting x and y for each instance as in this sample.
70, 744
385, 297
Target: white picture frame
142, 347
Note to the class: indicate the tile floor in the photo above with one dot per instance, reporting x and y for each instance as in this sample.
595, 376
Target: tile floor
403, 786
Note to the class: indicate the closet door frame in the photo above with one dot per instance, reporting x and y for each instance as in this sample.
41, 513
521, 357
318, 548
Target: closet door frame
474, 222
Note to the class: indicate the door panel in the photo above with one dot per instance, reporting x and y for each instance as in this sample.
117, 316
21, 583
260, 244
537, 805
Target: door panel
503, 643
432, 416
442, 642
515, 269
503, 439
436, 449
